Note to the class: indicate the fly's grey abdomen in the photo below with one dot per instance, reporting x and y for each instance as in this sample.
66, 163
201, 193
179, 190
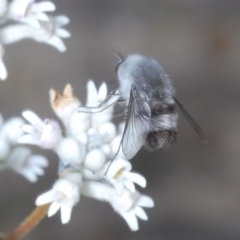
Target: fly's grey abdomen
163, 130
160, 139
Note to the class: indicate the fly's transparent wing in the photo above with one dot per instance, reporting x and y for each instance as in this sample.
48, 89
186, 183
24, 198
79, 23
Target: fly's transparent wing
192, 122
137, 124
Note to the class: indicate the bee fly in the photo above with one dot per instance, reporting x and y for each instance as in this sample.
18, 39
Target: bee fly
151, 119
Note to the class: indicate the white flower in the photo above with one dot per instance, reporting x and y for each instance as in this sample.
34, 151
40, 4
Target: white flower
18, 159
44, 134
50, 33
3, 70
23, 162
129, 205
119, 176
64, 195
28, 11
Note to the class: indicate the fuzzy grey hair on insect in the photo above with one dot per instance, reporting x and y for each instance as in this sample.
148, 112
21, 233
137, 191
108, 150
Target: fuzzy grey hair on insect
151, 116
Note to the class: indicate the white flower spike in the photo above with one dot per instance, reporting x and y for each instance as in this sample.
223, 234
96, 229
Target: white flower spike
90, 142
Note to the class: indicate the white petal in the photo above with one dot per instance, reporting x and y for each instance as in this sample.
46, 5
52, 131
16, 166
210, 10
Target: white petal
92, 100
102, 92
62, 33
140, 213
14, 33
28, 174
48, 197
54, 207
42, 16
69, 189
57, 43
118, 186
28, 139
38, 171
145, 201
130, 186
66, 210
28, 128
60, 21
136, 178
32, 21
33, 118
38, 160
131, 220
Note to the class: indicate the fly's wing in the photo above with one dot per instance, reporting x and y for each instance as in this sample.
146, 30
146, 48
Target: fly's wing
137, 123
192, 122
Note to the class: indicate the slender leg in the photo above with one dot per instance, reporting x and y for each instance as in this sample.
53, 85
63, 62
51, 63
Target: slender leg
105, 101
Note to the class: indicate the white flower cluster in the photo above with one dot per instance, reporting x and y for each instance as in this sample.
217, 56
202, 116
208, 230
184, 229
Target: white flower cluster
24, 19
18, 158
90, 142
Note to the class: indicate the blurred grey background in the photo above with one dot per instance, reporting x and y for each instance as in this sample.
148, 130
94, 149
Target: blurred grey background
196, 188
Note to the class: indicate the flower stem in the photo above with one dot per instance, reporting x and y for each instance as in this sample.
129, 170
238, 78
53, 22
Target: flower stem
29, 223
